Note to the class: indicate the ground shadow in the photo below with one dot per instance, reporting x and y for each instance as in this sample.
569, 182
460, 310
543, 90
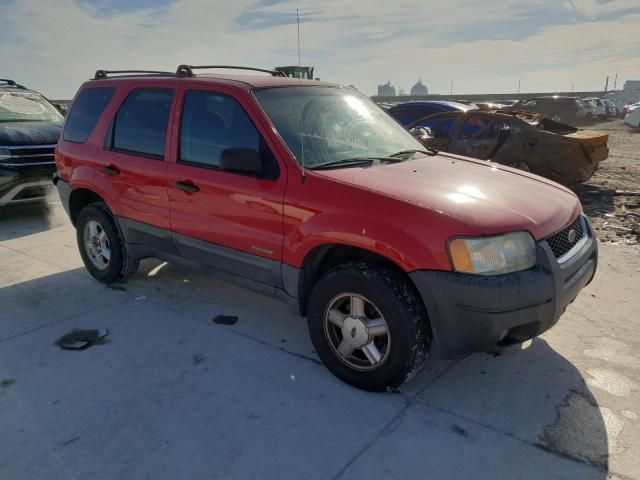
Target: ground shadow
596, 201
532, 393
28, 218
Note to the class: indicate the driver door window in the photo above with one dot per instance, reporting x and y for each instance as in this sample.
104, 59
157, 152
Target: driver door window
213, 124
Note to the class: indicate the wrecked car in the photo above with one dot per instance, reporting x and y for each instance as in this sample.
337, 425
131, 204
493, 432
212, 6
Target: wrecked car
571, 110
528, 141
409, 112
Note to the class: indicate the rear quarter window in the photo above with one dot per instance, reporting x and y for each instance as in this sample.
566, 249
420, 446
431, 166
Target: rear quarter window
85, 112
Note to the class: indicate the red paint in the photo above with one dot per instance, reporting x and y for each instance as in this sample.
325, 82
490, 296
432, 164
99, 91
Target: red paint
405, 212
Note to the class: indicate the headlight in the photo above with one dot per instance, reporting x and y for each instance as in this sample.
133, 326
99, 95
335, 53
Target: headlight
493, 255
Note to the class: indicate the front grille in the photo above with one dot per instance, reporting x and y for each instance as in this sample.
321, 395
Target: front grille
563, 241
29, 155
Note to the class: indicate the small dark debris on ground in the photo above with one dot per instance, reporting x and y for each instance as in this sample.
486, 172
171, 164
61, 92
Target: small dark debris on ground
78, 339
225, 319
198, 358
7, 382
117, 288
459, 430
71, 440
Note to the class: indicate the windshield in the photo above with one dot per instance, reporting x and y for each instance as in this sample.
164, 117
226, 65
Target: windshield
27, 107
333, 124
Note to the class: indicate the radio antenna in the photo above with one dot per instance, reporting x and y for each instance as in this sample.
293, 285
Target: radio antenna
303, 178
298, 19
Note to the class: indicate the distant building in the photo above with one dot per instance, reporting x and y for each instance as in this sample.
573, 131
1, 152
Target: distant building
632, 85
386, 90
402, 93
419, 89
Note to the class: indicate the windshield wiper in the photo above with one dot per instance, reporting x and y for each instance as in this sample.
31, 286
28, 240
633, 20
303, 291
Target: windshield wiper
352, 162
427, 151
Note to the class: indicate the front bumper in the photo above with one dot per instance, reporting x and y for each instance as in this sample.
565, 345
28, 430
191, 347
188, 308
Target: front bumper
470, 313
20, 185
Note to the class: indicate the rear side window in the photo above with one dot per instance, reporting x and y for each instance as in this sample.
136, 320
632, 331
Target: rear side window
84, 114
213, 123
481, 128
140, 126
440, 127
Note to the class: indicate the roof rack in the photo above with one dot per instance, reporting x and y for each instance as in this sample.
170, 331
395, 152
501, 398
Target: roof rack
101, 74
188, 69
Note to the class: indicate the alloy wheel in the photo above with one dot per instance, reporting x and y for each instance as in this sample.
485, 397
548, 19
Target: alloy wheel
357, 331
96, 244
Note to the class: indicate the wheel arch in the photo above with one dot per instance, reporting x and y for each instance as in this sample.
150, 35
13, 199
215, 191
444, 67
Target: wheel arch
80, 198
324, 257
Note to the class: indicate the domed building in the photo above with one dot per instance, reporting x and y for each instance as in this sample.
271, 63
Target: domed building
386, 90
419, 89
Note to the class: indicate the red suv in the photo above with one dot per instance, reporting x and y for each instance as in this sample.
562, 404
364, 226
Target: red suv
309, 192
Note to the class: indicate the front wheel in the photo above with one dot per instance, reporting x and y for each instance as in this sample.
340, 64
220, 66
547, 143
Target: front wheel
368, 325
101, 248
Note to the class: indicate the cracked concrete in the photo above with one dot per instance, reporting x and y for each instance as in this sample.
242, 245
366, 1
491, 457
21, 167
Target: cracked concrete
175, 395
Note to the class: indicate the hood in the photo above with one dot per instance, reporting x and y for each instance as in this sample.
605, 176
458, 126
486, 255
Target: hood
15, 134
487, 197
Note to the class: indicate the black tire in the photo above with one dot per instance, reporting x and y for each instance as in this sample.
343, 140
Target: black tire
120, 265
401, 308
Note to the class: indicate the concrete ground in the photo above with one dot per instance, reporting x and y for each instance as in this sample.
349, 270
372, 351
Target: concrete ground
173, 395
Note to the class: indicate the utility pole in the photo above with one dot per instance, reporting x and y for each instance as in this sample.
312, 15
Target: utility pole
451, 88
615, 82
519, 86
606, 84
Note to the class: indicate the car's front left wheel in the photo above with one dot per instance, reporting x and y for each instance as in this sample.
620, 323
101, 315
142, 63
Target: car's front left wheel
101, 247
368, 325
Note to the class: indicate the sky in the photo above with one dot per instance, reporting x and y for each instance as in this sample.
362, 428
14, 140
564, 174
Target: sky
482, 46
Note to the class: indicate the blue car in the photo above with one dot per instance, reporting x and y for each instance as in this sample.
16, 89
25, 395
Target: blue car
409, 112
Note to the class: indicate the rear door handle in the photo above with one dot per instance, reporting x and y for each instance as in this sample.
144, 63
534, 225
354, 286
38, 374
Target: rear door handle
111, 171
187, 187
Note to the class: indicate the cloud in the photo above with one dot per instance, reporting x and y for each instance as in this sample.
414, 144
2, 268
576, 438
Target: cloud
54, 46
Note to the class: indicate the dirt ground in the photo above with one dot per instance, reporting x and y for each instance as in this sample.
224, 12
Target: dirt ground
611, 198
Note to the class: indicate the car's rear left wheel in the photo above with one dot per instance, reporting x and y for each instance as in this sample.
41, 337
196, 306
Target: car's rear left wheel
101, 247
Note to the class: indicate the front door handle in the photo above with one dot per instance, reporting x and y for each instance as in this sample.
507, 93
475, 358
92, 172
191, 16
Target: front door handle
111, 171
187, 187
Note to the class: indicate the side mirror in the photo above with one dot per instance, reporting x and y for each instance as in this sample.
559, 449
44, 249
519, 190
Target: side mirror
241, 160
421, 133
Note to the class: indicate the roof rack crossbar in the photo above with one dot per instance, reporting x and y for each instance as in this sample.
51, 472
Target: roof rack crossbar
100, 74
188, 69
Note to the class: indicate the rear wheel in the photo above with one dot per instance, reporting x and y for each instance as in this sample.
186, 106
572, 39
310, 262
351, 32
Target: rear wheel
368, 326
101, 248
